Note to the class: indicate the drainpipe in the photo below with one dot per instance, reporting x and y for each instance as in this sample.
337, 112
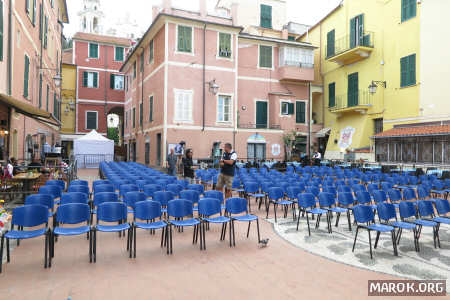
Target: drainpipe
10, 37
310, 119
204, 75
41, 10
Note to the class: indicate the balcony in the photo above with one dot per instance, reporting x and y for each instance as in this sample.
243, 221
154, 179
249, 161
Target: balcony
259, 126
349, 50
350, 103
296, 64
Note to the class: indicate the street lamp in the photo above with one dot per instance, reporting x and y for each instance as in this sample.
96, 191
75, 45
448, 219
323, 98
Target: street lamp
213, 86
56, 79
374, 84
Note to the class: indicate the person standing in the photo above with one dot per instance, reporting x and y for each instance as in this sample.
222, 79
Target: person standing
188, 166
227, 168
317, 158
172, 163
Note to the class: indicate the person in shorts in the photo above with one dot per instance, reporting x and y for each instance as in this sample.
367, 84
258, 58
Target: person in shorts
227, 168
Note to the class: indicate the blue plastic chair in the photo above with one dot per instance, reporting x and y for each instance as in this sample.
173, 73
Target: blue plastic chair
276, 196
125, 188
307, 204
79, 182
442, 207
216, 195
346, 201
81, 188
27, 216
365, 219
54, 190
99, 182
207, 209
179, 209
426, 211
149, 189
163, 197
236, 209
148, 211
111, 212
191, 195
196, 187
60, 183
72, 213
251, 189
174, 188
131, 198
104, 188
74, 197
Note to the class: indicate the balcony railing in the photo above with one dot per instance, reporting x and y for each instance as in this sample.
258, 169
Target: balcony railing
293, 63
346, 43
360, 100
259, 126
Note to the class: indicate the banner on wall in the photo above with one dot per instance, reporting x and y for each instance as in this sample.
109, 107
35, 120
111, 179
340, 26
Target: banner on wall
276, 149
346, 137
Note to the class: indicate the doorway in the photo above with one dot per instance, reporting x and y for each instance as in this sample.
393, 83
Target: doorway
158, 149
256, 151
261, 114
147, 153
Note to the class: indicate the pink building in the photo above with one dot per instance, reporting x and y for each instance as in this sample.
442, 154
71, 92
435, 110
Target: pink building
100, 84
261, 87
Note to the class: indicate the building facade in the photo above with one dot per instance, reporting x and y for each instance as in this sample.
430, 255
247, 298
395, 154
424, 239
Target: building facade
202, 78
30, 59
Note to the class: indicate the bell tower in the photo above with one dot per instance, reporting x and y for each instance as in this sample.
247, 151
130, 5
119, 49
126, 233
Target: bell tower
91, 17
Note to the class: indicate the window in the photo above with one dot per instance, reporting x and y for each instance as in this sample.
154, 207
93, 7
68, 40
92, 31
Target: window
408, 70
265, 56
291, 38
184, 39
150, 59
134, 70
91, 120
45, 31
90, 79
55, 105
256, 151
40, 90
224, 44
134, 117
266, 16
1, 30
183, 106
332, 94
378, 125
150, 114
352, 90
330, 43
409, 9
93, 50
297, 57
47, 96
126, 119
141, 114
357, 32
116, 82
142, 62
119, 54
300, 112
26, 76
287, 108
30, 8
52, 3
224, 109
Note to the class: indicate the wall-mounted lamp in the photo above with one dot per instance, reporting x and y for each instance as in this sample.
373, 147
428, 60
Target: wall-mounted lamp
374, 84
56, 79
213, 86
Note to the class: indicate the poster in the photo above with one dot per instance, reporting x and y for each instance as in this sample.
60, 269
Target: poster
346, 137
276, 149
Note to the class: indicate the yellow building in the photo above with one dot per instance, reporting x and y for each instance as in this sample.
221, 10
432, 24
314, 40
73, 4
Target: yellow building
368, 68
68, 95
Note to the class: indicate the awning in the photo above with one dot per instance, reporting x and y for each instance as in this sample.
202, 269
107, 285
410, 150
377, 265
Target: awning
29, 110
323, 132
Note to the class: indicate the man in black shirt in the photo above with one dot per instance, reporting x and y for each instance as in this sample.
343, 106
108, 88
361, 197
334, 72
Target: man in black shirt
227, 167
188, 165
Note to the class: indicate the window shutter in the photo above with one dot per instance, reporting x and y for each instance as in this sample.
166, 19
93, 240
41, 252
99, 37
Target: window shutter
40, 21
352, 32
111, 81
360, 30
330, 43
34, 12
45, 32
290, 108
141, 113
188, 38
404, 9
412, 9
27, 6
1, 30
180, 38
55, 105
332, 95
141, 66
26, 77
412, 70
300, 112
266, 16
265, 56
404, 71
47, 96
95, 80
150, 117
151, 51
85, 79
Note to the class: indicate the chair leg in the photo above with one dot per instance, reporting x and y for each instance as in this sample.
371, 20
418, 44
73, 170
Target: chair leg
171, 238
376, 240
7, 251
234, 236
90, 246
298, 220
349, 221
337, 219
1, 251
307, 221
354, 242
370, 244
394, 244
46, 249
162, 236
231, 229
94, 252
257, 228
275, 211
248, 230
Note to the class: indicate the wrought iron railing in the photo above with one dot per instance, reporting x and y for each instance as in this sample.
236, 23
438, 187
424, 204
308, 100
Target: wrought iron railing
346, 43
259, 126
92, 161
359, 98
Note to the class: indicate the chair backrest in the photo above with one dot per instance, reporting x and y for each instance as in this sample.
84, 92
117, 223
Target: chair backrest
100, 198
409, 194
54, 190
358, 188
313, 190
190, 195
306, 200
74, 197
386, 211
442, 206
179, 208
131, 198
141, 183
79, 182
42, 199
385, 186
164, 197
236, 205
196, 187
425, 208
209, 207
147, 210
371, 187
276, 193
73, 213
30, 215
293, 191
251, 187
344, 189
407, 209
174, 188
79, 188
422, 192
363, 197
125, 188
104, 188
214, 194
330, 189
99, 182
363, 213
345, 199
326, 199
60, 183
112, 212
380, 196
149, 189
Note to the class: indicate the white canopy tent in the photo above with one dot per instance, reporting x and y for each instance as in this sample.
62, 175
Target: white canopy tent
91, 149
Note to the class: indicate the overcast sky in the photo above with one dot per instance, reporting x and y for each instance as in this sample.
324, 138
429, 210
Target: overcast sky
300, 11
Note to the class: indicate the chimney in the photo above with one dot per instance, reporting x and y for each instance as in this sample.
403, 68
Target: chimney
203, 9
234, 13
284, 33
167, 6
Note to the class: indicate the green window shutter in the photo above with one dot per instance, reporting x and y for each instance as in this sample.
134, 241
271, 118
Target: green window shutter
111, 81
26, 77
119, 54
93, 50
55, 105
290, 108
352, 32
151, 51
412, 70
404, 71
150, 117
330, 43
85, 79
184, 39
265, 56
142, 62
291, 38
34, 12
352, 90
360, 30
412, 9
45, 32
266, 16
300, 112
141, 113
1, 30
27, 6
41, 11
134, 117
47, 96
95, 80
134, 70
224, 44
40, 90
332, 95
261, 114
